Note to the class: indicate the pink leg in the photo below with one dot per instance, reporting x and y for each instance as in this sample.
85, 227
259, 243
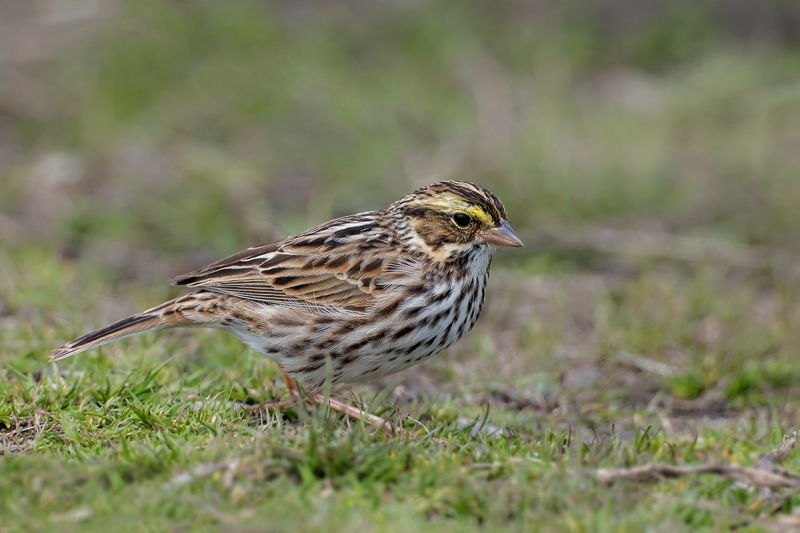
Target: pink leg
291, 385
277, 406
320, 399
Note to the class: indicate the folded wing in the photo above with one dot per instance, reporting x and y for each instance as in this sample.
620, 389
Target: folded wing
344, 263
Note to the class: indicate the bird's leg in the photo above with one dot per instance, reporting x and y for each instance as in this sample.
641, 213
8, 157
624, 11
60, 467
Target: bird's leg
351, 411
320, 399
277, 406
291, 385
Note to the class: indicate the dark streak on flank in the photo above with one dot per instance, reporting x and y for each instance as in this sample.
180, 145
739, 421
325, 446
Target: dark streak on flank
402, 332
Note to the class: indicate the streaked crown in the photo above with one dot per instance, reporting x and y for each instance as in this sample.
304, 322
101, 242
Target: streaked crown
456, 196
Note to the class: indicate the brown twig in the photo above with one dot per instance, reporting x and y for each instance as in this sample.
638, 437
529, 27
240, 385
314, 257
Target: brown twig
765, 474
780, 454
756, 477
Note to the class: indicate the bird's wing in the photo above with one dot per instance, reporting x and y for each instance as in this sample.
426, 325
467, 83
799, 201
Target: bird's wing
347, 262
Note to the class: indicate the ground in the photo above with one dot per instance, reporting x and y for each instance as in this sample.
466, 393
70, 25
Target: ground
650, 167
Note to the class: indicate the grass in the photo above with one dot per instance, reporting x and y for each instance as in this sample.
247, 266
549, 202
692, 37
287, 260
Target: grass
177, 134
146, 433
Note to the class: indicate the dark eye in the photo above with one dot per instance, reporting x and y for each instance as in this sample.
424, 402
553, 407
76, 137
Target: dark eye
462, 220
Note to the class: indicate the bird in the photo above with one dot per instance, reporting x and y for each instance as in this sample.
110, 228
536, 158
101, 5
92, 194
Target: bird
352, 300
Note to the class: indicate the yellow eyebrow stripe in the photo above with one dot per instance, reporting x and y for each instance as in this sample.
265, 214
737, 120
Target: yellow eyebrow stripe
476, 212
453, 204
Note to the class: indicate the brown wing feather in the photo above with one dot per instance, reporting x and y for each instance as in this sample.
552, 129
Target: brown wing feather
320, 267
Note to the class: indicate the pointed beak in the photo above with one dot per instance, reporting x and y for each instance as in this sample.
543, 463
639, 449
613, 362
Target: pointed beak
501, 235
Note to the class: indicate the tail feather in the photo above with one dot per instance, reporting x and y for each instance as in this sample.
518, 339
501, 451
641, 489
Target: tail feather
166, 315
118, 330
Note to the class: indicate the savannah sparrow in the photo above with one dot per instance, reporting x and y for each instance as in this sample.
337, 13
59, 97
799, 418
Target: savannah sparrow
354, 299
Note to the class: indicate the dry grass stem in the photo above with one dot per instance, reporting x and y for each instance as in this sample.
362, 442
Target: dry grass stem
766, 474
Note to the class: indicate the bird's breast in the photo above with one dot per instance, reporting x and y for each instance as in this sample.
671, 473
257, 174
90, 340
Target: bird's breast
406, 326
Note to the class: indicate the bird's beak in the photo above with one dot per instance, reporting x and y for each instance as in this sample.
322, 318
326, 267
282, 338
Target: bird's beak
501, 235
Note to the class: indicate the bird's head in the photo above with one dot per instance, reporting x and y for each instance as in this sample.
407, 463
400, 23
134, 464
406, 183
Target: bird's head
451, 217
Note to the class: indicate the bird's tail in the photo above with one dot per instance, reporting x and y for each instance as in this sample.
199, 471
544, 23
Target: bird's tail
178, 312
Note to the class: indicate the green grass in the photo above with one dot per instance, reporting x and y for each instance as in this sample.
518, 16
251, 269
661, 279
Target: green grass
180, 132
146, 433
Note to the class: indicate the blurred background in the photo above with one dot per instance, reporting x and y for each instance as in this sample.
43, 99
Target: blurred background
142, 139
141, 132
647, 151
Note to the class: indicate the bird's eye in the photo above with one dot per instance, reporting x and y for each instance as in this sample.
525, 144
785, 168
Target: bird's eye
462, 220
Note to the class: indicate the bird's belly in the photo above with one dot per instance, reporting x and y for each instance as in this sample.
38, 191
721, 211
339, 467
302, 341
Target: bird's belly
356, 349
